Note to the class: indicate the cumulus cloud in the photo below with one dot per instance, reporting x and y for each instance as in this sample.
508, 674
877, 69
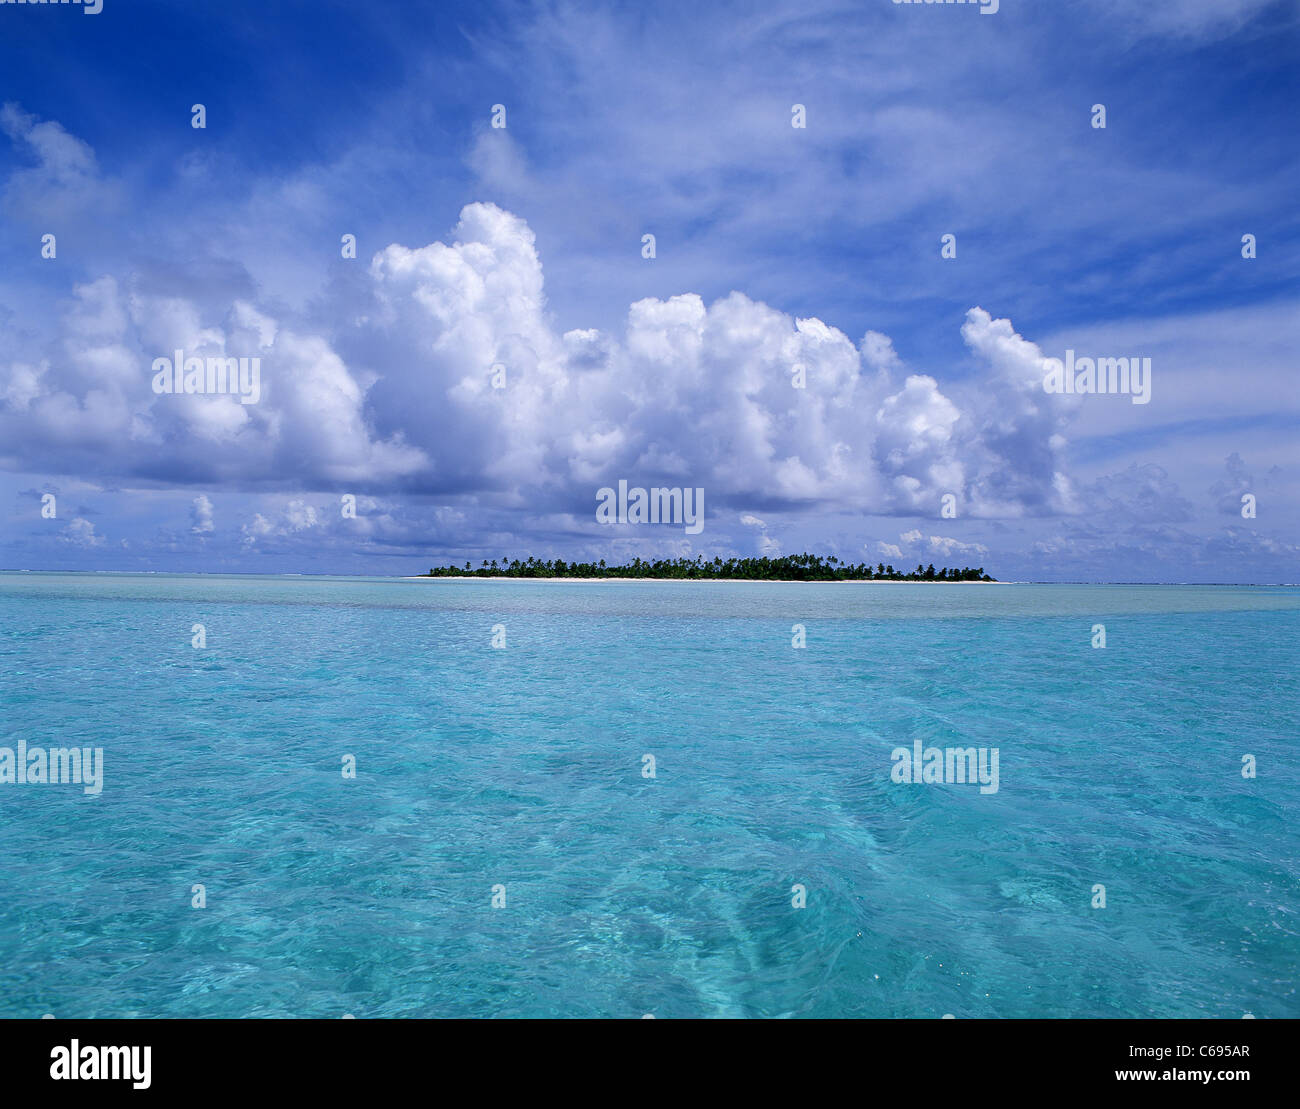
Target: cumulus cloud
64, 179
1016, 437
288, 519
878, 353
444, 374
1237, 481
767, 546
201, 516
89, 406
80, 532
942, 545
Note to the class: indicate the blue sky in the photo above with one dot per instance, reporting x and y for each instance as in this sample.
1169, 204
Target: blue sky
776, 247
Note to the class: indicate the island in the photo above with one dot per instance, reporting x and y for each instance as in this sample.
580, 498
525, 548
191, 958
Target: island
804, 567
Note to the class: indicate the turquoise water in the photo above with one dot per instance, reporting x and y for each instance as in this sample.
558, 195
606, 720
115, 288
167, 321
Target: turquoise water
627, 895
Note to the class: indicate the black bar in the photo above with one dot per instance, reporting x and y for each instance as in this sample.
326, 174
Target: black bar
612, 1061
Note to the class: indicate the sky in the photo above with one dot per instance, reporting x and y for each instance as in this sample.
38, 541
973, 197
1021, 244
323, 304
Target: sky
803, 345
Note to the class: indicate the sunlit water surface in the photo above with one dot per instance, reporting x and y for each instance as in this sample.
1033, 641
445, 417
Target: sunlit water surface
523, 767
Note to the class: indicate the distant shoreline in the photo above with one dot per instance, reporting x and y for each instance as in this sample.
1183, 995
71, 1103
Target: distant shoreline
799, 567
736, 581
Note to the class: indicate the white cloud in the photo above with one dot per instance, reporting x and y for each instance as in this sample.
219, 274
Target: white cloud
767, 546
65, 180
201, 516
80, 532
691, 393
941, 545
286, 521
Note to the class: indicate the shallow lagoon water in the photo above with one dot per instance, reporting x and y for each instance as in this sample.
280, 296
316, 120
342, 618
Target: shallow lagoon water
626, 895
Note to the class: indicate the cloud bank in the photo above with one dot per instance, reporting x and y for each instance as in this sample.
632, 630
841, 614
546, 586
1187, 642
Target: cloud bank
463, 386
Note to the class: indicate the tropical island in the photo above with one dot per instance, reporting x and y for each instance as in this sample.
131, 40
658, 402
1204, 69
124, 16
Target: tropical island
804, 567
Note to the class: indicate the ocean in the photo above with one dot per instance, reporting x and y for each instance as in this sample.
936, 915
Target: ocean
645, 800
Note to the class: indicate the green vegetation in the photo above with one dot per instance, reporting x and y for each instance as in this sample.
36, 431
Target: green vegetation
804, 567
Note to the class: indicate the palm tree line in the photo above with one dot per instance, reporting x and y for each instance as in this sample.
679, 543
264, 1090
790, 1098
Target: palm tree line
803, 567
